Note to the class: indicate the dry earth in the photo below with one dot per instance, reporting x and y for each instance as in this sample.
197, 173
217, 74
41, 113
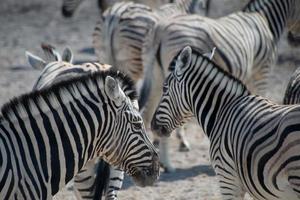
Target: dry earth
26, 27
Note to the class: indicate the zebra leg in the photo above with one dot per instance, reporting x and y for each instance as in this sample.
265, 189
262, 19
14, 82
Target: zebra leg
92, 180
115, 183
184, 145
164, 154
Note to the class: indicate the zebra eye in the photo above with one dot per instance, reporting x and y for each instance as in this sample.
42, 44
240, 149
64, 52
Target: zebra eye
137, 125
165, 88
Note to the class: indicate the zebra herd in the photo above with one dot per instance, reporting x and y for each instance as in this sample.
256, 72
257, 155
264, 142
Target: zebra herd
164, 64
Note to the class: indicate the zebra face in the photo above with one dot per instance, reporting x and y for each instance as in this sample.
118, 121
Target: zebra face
174, 109
130, 149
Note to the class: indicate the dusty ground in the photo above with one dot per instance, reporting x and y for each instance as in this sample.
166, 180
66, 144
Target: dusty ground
27, 28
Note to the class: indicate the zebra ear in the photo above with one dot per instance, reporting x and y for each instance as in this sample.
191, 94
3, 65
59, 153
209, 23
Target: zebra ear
114, 91
67, 55
211, 54
35, 62
50, 52
183, 61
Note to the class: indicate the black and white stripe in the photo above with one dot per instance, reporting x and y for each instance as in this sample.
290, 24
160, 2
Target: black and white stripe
119, 36
119, 40
96, 178
47, 136
254, 143
246, 42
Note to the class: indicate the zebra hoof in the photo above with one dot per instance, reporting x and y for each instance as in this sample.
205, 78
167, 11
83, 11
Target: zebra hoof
184, 147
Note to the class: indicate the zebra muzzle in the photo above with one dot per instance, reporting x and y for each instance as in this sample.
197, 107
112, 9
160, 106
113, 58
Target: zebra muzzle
147, 176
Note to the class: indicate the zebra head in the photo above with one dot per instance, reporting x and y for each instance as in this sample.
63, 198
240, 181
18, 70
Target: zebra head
130, 148
174, 109
54, 65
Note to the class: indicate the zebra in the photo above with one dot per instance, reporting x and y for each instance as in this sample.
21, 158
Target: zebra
89, 182
118, 40
254, 143
119, 35
292, 92
246, 41
47, 136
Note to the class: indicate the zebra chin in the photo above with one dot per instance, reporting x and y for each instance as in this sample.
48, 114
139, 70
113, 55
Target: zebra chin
147, 176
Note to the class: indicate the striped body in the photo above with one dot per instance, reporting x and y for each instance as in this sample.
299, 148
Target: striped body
119, 36
96, 177
49, 135
254, 143
246, 42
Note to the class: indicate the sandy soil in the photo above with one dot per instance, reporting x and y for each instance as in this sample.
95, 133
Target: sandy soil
27, 28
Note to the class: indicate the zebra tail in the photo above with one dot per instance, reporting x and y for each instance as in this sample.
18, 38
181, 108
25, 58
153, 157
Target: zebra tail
102, 179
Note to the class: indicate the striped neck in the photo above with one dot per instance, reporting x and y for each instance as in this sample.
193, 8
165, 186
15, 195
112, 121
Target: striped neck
43, 144
211, 88
54, 134
277, 13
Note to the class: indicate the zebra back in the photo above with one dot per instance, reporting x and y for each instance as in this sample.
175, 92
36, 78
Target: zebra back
118, 37
278, 13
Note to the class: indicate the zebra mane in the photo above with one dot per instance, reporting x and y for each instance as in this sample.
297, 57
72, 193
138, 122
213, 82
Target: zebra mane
220, 69
54, 92
205, 58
